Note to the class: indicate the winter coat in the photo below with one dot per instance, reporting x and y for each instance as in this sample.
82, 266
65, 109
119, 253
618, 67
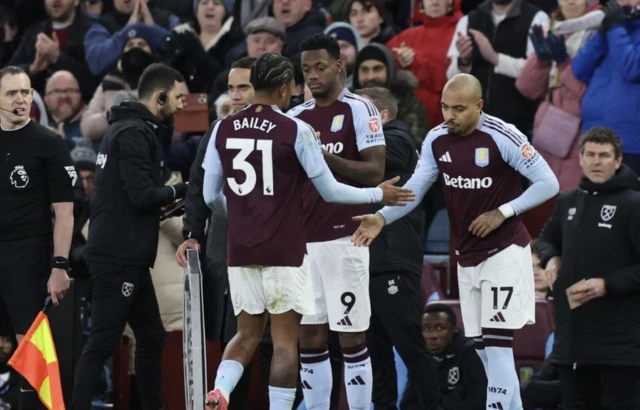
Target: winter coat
94, 123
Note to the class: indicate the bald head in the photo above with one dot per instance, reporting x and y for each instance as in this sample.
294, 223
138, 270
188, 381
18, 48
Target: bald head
62, 77
465, 83
62, 95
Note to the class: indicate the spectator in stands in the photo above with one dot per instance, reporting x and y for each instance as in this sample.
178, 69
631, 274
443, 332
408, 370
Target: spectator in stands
593, 240
108, 35
375, 67
540, 277
301, 19
9, 378
350, 45
8, 34
246, 11
423, 51
461, 375
544, 390
55, 44
136, 56
223, 105
370, 18
197, 49
92, 8
610, 66
498, 62
547, 76
395, 268
64, 103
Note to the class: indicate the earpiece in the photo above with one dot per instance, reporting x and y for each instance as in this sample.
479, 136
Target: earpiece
162, 98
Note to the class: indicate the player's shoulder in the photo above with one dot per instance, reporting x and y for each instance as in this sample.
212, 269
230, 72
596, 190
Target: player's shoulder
299, 109
502, 132
359, 106
436, 132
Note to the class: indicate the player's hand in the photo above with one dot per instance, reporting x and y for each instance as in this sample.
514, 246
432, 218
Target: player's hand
588, 290
551, 271
58, 284
181, 254
370, 227
486, 223
395, 196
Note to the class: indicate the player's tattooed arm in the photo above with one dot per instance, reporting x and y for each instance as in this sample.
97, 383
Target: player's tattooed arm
368, 172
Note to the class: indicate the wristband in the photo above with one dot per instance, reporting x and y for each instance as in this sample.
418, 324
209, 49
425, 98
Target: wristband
507, 211
60, 262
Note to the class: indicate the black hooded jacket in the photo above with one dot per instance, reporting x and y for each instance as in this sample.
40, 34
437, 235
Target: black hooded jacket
128, 191
596, 232
399, 247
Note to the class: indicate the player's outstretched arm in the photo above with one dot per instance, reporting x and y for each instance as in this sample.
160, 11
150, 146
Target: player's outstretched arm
213, 179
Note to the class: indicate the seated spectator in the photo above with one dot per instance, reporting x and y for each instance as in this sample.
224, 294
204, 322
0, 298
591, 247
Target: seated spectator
55, 44
542, 288
223, 105
136, 56
65, 106
423, 50
376, 67
198, 49
301, 19
370, 18
544, 391
547, 76
461, 374
8, 34
609, 64
245, 11
350, 45
108, 35
93, 8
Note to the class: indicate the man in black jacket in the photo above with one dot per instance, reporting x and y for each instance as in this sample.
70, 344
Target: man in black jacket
395, 268
593, 240
123, 235
461, 374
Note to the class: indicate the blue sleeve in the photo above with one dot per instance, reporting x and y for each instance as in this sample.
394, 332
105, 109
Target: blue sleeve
173, 22
524, 158
213, 183
625, 54
586, 60
549, 347
102, 49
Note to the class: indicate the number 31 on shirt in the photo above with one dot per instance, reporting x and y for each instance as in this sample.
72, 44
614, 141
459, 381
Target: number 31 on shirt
240, 163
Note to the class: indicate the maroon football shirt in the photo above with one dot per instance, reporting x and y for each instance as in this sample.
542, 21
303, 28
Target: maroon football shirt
347, 126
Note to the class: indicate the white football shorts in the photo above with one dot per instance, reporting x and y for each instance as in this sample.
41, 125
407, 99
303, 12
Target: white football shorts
499, 293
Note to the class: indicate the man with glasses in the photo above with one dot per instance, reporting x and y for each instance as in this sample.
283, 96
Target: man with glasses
64, 101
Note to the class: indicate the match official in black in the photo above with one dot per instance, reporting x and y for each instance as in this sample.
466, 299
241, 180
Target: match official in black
395, 268
37, 179
123, 235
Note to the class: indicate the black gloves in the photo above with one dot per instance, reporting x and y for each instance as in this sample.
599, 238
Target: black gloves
613, 16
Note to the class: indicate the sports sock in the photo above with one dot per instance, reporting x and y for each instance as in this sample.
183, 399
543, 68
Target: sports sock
482, 353
281, 398
358, 377
229, 373
503, 390
316, 378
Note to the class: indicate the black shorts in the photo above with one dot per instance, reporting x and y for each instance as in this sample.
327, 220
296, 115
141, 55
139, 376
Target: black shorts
25, 266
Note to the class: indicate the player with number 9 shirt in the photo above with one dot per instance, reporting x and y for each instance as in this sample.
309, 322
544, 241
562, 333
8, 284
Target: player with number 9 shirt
255, 165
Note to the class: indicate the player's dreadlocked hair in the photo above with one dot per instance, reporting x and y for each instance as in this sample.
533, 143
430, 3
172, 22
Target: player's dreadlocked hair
321, 42
271, 71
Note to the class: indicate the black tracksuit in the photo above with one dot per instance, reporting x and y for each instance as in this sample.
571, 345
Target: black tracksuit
596, 232
395, 269
121, 247
544, 390
461, 376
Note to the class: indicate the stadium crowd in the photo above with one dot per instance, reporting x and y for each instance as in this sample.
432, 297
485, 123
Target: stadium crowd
554, 69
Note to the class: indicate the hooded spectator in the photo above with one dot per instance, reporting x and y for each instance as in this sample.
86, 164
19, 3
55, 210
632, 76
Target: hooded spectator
55, 44
301, 19
371, 20
547, 76
423, 50
198, 49
107, 36
65, 105
609, 64
376, 67
350, 45
136, 56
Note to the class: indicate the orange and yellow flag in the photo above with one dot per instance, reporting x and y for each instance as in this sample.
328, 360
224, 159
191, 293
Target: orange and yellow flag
36, 360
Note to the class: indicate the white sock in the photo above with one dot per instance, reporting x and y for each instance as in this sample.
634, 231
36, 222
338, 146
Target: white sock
482, 353
316, 378
503, 387
358, 377
228, 375
281, 398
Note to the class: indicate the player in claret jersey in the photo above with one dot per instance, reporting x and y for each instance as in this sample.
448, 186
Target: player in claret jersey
350, 129
481, 158
255, 165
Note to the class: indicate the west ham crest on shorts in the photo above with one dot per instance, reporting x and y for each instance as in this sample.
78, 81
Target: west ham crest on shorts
482, 157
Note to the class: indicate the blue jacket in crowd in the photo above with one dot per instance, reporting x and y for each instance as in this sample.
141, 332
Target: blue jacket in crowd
611, 67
